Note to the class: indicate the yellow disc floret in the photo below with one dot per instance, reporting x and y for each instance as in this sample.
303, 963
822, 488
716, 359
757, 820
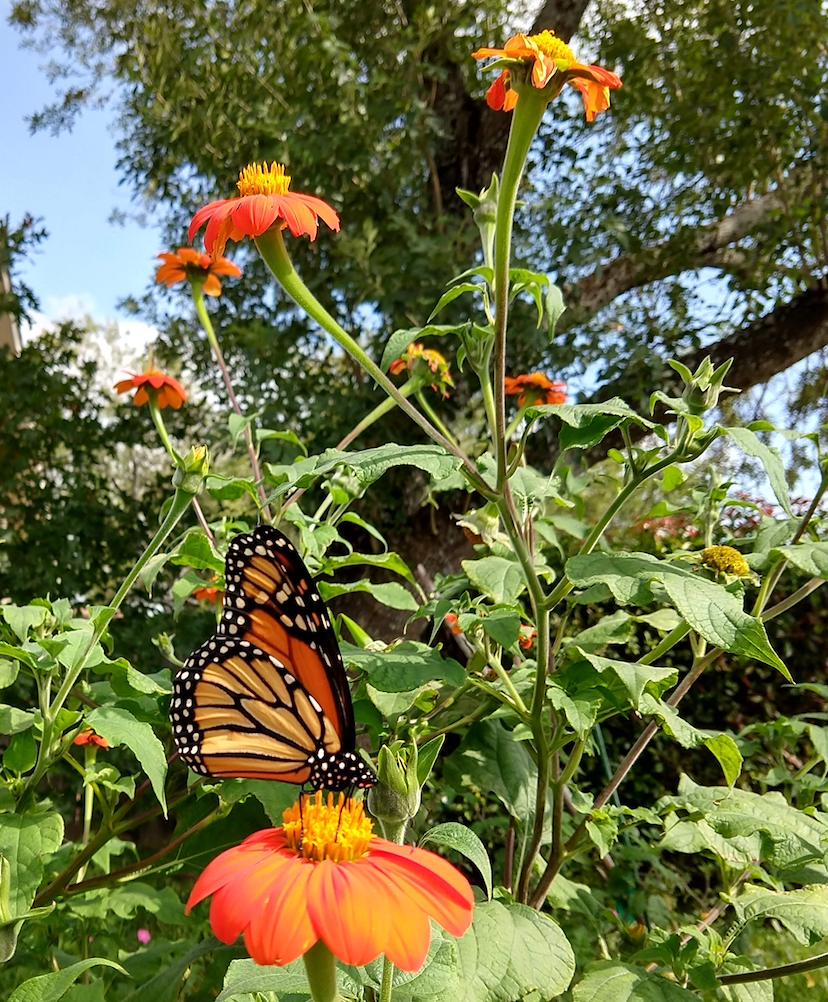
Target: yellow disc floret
256, 180
726, 559
328, 830
550, 45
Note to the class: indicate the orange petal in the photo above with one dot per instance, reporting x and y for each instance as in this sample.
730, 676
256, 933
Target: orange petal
224, 267
244, 892
328, 215
204, 213
211, 286
344, 914
123, 385
596, 97
496, 94
255, 213
140, 397
215, 223
300, 218
280, 929
408, 936
543, 69
484, 53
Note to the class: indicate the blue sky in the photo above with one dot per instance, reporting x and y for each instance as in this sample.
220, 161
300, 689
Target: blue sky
69, 181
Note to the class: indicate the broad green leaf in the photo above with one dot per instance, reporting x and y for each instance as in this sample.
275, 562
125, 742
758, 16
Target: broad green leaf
14, 720
463, 840
388, 561
51, 987
195, 551
793, 838
497, 577
21, 754
581, 711
401, 339
490, 759
584, 425
237, 423
22, 618
9, 671
120, 727
164, 987
804, 911
274, 796
696, 836
263, 434
230, 488
511, 951
752, 445
124, 902
633, 676
672, 478
614, 629
612, 981
389, 593
392, 704
555, 308
730, 758
753, 991
502, 625
811, 558
454, 293
427, 756
406, 666
18, 654
27, 840
711, 609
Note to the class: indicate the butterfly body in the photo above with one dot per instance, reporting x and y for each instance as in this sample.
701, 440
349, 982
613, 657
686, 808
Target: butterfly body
267, 696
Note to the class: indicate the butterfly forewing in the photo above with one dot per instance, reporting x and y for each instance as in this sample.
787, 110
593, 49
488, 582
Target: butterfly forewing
267, 697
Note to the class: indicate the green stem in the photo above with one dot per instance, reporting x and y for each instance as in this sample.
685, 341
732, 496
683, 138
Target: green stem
271, 246
432, 415
180, 503
387, 978
565, 586
668, 643
161, 428
207, 324
525, 121
503, 675
783, 971
321, 970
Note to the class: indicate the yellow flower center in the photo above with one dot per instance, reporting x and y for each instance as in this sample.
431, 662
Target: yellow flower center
550, 45
726, 559
328, 830
256, 180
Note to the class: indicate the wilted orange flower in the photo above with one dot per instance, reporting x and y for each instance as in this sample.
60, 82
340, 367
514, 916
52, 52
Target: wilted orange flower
187, 264
89, 737
450, 620
325, 875
209, 593
431, 363
549, 59
264, 200
527, 635
535, 388
168, 392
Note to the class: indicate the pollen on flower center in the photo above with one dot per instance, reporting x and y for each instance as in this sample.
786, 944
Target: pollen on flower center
550, 45
256, 180
327, 829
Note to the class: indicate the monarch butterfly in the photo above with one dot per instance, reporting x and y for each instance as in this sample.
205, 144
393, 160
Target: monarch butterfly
267, 696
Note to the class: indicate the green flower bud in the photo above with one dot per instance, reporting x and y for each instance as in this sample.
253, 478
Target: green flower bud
396, 797
190, 474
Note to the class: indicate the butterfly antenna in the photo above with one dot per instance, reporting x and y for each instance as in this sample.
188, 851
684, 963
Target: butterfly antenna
301, 818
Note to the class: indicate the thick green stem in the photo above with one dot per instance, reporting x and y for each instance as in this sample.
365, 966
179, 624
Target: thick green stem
180, 503
525, 121
387, 979
272, 248
207, 324
321, 970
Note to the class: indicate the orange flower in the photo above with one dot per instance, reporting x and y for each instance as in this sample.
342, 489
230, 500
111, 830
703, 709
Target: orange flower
168, 392
426, 362
527, 635
450, 620
326, 876
187, 264
550, 61
264, 200
209, 593
536, 389
89, 737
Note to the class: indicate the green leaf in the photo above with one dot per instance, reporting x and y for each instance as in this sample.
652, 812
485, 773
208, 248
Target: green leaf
463, 840
164, 987
389, 593
581, 711
633, 676
502, 625
14, 720
22, 618
406, 666
392, 704
499, 578
711, 609
584, 425
804, 911
51, 987
427, 756
274, 796
614, 629
237, 424
401, 339
21, 754
9, 671
753, 991
612, 981
730, 758
454, 293
120, 727
195, 551
696, 836
555, 308
27, 841
388, 561
246, 977
230, 488
810, 558
752, 445
510, 952
18, 654
124, 902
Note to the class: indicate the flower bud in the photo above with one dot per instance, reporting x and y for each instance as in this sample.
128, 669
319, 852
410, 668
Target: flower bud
703, 387
725, 559
396, 797
191, 471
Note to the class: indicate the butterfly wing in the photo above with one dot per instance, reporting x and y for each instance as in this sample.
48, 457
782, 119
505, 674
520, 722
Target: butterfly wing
272, 602
237, 711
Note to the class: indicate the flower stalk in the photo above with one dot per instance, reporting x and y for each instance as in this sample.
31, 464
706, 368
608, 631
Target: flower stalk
320, 967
